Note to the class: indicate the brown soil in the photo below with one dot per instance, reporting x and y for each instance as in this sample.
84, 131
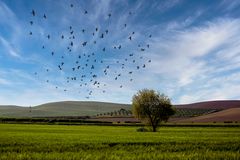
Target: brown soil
228, 115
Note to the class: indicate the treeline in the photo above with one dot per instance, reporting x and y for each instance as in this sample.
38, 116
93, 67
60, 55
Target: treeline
48, 120
180, 112
121, 112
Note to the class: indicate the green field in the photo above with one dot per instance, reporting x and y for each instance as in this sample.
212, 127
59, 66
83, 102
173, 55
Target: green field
19, 141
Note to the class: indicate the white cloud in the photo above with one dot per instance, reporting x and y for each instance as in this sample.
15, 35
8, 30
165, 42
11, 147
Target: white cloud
230, 5
9, 48
4, 82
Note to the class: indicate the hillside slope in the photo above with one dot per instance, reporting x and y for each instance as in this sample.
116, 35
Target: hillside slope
83, 108
228, 115
223, 104
65, 108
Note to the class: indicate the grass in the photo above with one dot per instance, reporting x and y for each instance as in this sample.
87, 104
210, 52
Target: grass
19, 141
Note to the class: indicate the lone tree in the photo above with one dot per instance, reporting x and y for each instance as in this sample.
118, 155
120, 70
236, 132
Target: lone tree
152, 107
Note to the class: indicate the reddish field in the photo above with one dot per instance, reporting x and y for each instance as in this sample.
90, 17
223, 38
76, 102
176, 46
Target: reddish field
228, 115
212, 105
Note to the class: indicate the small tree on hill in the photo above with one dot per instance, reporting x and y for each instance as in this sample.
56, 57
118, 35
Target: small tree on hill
152, 107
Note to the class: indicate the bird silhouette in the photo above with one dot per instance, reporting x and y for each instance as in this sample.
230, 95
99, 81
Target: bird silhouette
33, 13
84, 43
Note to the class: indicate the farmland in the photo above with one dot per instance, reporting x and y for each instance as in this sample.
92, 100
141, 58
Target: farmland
21, 141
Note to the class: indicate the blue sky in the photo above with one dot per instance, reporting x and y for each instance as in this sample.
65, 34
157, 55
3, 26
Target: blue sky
194, 50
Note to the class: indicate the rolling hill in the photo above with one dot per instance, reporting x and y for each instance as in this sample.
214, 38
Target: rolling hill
89, 108
223, 104
65, 108
228, 115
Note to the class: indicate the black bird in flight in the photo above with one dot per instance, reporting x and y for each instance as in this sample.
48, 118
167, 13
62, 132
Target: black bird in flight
84, 43
31, 22
33, 13
85, 12
44, 16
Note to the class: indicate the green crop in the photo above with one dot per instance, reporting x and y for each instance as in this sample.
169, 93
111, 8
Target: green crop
19, 141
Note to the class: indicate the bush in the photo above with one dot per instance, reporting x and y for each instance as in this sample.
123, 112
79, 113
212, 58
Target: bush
142, 129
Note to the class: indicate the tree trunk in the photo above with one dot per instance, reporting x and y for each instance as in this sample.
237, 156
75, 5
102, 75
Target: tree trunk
154, 128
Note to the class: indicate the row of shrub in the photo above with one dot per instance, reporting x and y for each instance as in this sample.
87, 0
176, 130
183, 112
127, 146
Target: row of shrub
46, 120
180, 112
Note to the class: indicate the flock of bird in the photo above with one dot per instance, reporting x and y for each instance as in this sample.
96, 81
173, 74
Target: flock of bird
87, 69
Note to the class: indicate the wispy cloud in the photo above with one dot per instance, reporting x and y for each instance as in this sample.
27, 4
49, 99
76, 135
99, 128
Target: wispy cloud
230, 5
8, 48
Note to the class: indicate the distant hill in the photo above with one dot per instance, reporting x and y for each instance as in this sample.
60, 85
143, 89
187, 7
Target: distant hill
228, 115
65, 108
89, 108
223, 104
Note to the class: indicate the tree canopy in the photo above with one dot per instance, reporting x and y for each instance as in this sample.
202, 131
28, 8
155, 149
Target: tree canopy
152, 107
